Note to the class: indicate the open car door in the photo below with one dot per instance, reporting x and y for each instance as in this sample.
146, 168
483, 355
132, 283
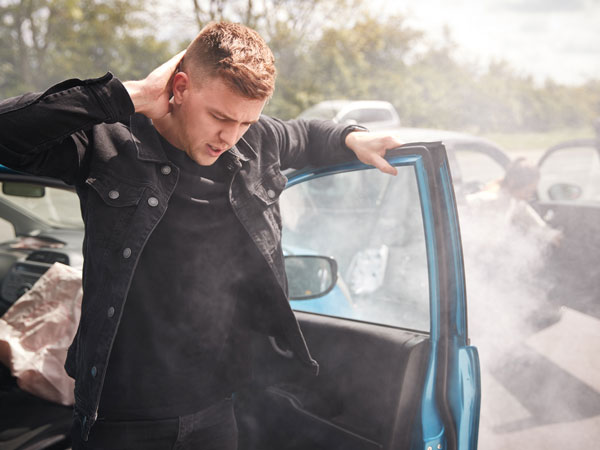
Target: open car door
396, 368
569, 199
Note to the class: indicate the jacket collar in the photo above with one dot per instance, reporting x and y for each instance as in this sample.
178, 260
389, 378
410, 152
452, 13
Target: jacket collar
145, 138
149, 147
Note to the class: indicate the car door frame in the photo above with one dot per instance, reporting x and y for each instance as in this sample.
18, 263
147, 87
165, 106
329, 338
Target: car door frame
450, 401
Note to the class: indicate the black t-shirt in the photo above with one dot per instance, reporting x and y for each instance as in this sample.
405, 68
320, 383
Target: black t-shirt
181, 342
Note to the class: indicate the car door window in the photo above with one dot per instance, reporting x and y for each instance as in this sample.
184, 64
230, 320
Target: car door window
476, 169
57, 207
570, 174
7, 231
371, 223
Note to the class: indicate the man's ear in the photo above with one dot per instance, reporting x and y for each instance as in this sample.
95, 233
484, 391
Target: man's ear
180, 84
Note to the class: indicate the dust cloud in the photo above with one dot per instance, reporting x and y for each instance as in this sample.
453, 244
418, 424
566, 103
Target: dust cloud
514, 318
507, 282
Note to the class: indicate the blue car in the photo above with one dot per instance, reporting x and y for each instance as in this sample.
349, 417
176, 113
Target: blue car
377, 283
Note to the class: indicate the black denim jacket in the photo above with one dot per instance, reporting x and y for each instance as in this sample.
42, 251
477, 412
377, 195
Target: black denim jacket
86, 133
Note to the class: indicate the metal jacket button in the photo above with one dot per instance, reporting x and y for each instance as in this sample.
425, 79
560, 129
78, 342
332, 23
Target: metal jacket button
114, 194
271, 193
111, 312
126, 252
94, 371
165, 170
153, 201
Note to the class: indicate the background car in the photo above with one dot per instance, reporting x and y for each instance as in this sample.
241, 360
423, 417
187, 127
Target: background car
374, 114
568, 197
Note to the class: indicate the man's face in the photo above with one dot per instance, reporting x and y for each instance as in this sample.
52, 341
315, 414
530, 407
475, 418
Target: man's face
211, 118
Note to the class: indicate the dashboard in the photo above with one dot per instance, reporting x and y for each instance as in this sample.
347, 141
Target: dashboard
23, 260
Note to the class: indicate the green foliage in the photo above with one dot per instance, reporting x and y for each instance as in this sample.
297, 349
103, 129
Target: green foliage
325, 49
45, 41
379, 59
362, 61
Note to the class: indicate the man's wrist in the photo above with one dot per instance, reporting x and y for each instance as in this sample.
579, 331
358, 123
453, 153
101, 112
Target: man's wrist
136, 94
347, 134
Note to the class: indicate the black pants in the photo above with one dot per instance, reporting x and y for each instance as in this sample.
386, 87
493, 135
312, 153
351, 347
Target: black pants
213, 428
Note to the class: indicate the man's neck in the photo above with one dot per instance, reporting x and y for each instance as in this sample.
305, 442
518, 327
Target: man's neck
167, 128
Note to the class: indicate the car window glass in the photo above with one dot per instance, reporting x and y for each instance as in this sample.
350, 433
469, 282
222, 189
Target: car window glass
371, 223
7, 231
57, 207
573, 170
476, 169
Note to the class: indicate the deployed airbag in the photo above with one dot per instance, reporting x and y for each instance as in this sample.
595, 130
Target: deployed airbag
37, 330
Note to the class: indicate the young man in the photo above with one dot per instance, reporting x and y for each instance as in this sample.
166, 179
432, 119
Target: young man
178, 176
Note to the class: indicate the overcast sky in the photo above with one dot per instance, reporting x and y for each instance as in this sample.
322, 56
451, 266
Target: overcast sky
558, 39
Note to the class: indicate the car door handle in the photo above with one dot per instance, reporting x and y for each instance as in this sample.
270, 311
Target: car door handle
285, 353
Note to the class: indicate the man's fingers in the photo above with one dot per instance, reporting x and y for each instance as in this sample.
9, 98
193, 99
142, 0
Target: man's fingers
371, 149
384, 166
174, 64
175, 61
392, 142
168, 69
389, 143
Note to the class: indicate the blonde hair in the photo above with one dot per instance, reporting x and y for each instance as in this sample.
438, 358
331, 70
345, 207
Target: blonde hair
236, 54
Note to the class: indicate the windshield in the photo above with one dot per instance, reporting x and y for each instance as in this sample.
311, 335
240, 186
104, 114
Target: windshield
57, 207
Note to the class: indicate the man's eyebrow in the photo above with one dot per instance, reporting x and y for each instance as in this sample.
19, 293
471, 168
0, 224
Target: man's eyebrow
226, 117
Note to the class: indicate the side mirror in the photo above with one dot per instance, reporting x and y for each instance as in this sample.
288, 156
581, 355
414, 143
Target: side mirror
23, 189
310, 276
564, 192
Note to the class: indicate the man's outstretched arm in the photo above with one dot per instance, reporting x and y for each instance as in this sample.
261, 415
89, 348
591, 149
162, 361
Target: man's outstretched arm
370, 148
319, 143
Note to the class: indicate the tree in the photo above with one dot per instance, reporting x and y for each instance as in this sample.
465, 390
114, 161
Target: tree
302, 18
45, 41
364, 59
324, 49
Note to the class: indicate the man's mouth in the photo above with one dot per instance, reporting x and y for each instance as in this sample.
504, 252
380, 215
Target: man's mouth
215, 151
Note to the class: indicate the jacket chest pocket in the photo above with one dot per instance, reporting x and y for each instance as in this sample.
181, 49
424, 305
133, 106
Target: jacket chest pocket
111, 205
265, 198
270, 186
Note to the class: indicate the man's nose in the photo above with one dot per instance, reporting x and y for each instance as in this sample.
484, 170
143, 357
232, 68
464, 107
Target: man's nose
229, 135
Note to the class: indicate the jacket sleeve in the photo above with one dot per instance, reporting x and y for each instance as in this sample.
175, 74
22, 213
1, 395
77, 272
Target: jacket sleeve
304, 143
47, 133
